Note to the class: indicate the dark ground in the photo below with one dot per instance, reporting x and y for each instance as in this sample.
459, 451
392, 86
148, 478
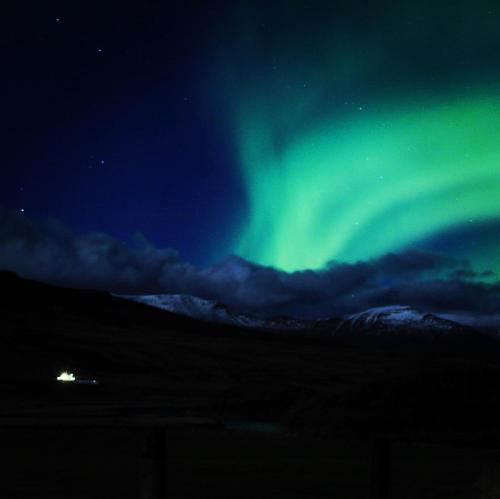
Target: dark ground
112, 463
441, 408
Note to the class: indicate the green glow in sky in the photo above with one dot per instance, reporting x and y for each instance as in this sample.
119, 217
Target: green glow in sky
361, 182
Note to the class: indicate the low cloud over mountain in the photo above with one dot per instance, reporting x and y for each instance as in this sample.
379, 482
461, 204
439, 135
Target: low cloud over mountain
50, 252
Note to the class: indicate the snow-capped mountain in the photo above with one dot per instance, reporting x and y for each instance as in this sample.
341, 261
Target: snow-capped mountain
383, 326
400, 324
198, 308
213, 311
399, 316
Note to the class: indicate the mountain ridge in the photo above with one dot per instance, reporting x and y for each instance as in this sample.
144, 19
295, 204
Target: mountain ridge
393, 325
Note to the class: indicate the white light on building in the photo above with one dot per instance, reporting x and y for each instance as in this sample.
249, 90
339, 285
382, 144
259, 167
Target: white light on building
66, 377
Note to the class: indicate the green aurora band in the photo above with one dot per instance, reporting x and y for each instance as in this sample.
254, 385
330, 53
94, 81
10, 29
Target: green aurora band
362, 129
353, 186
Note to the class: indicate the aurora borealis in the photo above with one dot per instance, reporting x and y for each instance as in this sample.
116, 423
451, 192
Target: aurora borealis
359, 136
371, 183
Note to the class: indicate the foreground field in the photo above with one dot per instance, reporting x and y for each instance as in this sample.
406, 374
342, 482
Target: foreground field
109, 464
314, 406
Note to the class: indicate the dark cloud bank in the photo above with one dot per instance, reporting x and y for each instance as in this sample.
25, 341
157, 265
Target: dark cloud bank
50, 252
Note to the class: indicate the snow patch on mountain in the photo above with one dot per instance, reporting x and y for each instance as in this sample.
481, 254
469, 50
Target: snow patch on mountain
400, 325
398, 316
216, 312
198, 308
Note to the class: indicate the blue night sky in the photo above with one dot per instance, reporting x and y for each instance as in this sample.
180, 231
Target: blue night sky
108, 126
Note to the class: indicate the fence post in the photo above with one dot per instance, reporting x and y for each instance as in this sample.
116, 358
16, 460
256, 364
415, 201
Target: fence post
155, 484
380, 467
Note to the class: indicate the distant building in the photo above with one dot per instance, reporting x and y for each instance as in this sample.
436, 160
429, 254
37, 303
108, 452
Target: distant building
66, 377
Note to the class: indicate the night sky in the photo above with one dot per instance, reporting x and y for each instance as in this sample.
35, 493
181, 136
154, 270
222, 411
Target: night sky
286, 138
108, 124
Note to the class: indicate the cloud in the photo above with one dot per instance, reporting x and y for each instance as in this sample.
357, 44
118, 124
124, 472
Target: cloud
50, 252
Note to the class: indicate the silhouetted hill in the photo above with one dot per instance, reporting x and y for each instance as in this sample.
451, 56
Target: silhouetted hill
152, 362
